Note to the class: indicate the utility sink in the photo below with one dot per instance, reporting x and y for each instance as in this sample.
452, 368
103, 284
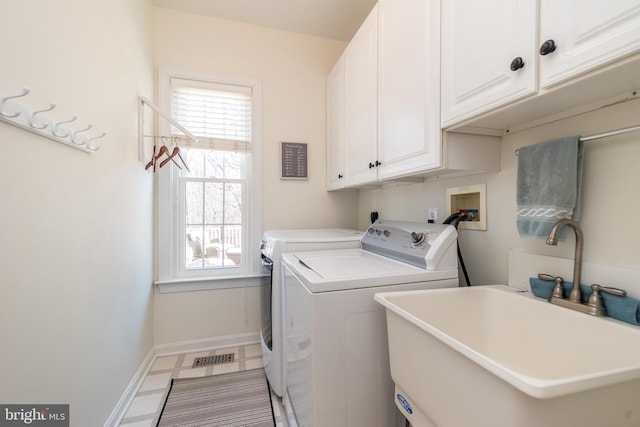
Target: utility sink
491, 356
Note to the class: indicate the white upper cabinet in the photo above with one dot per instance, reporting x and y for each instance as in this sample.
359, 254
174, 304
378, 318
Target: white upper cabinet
391, 119
488, 56
361, 100
586, 35
409, 133
496, 52
335, 126
391, 96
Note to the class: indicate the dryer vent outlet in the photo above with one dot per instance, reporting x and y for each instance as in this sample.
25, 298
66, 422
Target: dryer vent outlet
212, 360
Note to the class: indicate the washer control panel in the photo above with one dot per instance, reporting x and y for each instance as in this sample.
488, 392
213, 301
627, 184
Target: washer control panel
415, 243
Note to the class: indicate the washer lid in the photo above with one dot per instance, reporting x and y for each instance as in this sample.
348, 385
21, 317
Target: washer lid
332, 265
334, 270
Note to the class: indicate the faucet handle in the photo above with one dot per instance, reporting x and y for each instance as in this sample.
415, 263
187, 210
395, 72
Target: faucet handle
608, 290
548, 277
595, 299
558, 290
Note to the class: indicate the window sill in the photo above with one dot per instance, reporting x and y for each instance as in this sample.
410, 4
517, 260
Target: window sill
210, 283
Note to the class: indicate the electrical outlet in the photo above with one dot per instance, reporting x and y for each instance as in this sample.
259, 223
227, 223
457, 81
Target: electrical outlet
432, 215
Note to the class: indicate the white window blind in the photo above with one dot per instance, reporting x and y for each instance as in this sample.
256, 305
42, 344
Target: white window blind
209, 217
219, 115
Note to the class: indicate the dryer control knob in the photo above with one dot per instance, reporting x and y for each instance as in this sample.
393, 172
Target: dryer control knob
386, 233
417, 238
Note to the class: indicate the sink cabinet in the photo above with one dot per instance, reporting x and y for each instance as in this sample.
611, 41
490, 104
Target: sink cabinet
496, 52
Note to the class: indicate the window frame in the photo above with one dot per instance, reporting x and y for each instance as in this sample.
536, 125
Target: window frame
171, 276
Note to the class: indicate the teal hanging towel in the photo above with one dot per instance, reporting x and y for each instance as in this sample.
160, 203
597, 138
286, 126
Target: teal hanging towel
549, 184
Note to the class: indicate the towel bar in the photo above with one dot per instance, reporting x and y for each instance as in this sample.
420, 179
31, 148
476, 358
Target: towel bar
606, 134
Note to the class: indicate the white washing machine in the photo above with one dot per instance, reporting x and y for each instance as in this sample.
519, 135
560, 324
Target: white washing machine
274, 244
337, 357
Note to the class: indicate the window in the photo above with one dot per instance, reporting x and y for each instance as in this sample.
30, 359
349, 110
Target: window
209, 215
211, 198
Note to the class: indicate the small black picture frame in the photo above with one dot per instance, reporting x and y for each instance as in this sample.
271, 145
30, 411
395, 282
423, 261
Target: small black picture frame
294, 159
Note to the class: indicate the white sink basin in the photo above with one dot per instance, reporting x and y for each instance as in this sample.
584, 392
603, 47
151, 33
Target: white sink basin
489, 356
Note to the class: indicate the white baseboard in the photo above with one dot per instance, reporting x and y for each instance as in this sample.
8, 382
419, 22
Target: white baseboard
169, 350
131, 390
206, 344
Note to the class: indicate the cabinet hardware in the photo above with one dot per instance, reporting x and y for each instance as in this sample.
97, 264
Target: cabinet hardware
517, 63
547, 47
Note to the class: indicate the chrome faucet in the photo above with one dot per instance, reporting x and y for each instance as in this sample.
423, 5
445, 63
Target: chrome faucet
576, 293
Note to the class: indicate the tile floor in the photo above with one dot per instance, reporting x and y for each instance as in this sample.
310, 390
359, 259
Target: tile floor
147, 404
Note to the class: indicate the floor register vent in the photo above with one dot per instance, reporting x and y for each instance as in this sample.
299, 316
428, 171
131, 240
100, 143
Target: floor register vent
212, 360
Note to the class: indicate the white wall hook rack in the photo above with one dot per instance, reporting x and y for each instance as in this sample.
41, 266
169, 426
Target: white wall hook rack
32, 117
38, 122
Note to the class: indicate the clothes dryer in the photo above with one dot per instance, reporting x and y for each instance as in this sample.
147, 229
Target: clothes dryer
274, 244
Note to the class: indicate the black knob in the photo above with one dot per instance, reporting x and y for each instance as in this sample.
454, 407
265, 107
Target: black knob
339, 176
517, 63
547, 47
378, 163
417, 238
371, 165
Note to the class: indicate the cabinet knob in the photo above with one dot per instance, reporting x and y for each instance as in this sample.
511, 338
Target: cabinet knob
371, 165
378, 163
517, 63
547, 47
339, 176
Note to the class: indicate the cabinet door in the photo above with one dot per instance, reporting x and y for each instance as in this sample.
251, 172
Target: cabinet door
587, 34
361, 103
335, 126
409, 135
480, 41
